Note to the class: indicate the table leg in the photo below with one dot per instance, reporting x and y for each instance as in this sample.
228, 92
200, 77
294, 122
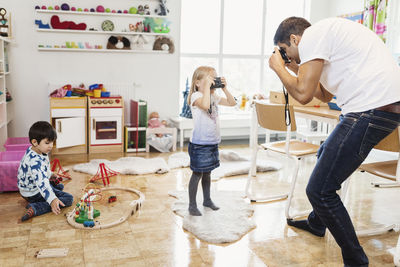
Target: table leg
181, 137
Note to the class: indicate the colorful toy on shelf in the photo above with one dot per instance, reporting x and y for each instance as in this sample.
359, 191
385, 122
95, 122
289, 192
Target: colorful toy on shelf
103, 173
107, 25
57, 7
164, 44
65, 7
100, 8
41, 24
3, 23
57, 24
118, 42
139, 41
162, 10
133, 10
146, 10
73, 8
44, 7
88, 46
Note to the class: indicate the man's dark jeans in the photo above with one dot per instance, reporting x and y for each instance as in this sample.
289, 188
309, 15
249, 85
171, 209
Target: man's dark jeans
338, 157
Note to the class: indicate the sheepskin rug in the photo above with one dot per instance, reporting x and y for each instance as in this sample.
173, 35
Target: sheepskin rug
231, 164
226, 225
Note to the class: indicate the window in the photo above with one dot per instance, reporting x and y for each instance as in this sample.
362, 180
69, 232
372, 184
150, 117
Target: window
236, 38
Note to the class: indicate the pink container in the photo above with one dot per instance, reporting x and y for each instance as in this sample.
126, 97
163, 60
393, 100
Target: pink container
17, 143
9, 163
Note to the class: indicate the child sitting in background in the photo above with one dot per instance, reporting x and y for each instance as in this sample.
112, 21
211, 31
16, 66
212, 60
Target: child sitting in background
34, 174
161, 142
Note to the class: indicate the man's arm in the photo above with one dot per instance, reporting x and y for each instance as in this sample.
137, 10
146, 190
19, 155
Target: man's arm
322, 94
306, 85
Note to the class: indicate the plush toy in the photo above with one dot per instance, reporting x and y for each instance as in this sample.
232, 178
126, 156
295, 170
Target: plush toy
65, 25
139, 41
118, 42
154, 122
164, 44
146, 10
140, 10
162, 10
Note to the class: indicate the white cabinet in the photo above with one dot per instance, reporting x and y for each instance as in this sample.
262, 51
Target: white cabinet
5, 114
69, 132
68, 116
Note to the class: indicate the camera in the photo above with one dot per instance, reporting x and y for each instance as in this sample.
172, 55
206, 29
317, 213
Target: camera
284, 56
217, 83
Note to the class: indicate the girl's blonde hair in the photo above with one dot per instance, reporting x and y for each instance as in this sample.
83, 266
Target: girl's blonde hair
198, 74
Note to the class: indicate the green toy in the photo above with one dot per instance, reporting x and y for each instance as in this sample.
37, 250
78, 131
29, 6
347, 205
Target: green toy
133, 10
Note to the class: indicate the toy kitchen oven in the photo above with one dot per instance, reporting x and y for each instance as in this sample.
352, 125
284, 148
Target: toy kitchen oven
105, 124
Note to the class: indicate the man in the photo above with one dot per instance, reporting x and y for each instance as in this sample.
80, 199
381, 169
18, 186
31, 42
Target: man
342, 58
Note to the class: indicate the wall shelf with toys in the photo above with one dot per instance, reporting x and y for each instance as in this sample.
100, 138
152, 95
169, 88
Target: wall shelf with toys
98, 13
131, 30
102, 32
100, 50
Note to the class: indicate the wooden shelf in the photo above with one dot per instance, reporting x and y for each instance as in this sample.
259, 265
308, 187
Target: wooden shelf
102, 32
98, 14
135, 150
101, 50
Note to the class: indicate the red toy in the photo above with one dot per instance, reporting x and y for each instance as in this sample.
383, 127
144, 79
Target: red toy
60, 172
65, 25
103, 173
112, 199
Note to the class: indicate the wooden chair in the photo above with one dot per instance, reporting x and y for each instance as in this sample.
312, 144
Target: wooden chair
166, 130
386, 169
272, 117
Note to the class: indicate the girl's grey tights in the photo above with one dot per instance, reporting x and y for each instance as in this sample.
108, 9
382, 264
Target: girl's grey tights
206, 184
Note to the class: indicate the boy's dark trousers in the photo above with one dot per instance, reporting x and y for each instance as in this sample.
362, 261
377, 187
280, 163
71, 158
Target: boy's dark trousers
39, 204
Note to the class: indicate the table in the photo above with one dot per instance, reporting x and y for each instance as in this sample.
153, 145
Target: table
321, 114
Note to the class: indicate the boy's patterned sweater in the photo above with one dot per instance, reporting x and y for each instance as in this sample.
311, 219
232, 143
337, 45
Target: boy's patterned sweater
34, 174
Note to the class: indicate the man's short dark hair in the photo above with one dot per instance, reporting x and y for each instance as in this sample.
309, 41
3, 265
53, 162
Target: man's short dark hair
292, 25
41, 130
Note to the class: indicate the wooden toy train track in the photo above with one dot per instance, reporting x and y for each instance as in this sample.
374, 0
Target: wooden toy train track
134, 207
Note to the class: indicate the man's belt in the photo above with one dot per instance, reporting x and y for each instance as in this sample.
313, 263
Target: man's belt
394, 108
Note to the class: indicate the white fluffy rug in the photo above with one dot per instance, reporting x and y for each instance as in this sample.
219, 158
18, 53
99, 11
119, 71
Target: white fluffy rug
231, 164
228, 224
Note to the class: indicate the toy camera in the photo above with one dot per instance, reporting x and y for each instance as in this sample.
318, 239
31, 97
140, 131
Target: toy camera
217, 83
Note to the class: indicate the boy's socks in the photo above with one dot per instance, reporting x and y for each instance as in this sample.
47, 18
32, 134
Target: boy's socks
29, 214
210, 204
303, 224
194, 211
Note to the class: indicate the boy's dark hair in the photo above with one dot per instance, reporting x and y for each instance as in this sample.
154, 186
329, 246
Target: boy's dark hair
292, 25
41, 130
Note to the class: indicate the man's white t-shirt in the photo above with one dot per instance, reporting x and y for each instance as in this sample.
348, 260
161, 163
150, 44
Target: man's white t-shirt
358, 67
206, 122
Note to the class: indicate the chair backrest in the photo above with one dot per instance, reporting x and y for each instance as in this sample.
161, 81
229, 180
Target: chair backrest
272, 116
390, 142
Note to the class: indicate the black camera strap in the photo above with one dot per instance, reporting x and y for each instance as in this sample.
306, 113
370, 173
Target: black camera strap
287, 112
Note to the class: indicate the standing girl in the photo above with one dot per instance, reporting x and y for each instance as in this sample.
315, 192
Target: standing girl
203, 146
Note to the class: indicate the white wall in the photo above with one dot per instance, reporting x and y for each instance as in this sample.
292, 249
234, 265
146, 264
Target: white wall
156, 75
320, 9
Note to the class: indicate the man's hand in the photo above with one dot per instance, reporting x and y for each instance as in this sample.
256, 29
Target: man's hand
55, 206
276, 61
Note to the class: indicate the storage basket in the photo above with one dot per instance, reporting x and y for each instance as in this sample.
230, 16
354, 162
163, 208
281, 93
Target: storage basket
9, 163
17, 144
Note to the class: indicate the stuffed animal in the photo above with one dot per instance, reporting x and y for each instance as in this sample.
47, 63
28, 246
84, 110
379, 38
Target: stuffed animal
65, 25
140, 10
162, 10
146, 10
164, 44
154, 122
138, 41
118, 42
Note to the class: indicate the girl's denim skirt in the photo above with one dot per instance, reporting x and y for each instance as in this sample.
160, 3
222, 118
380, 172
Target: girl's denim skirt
203, 158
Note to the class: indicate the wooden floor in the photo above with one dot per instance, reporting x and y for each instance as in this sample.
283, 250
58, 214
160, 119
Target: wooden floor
156, 237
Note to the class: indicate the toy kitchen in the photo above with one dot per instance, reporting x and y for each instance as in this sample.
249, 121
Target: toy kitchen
87, 124
105, 124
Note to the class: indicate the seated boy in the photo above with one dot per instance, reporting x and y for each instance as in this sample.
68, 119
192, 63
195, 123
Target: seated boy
34, 174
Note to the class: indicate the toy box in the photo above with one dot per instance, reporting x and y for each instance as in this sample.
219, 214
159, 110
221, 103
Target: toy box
9, 163
17, 143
